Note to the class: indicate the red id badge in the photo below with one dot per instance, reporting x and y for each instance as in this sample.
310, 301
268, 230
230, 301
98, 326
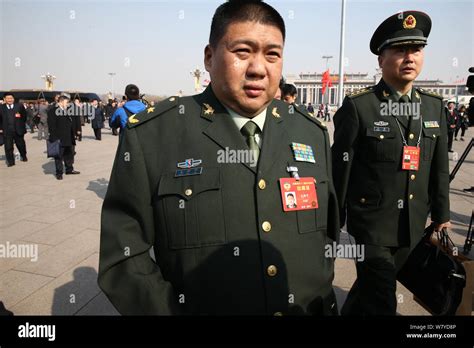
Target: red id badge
298, 194
411, 158
17, 115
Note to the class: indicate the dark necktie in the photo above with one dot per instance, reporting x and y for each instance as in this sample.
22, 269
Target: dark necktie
248, 131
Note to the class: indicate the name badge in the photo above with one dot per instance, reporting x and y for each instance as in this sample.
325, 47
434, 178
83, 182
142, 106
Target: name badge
411, 158
298, 194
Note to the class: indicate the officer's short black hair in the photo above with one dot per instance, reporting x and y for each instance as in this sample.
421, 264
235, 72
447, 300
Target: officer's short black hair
234, 11
290, 194
6, 94
288, 89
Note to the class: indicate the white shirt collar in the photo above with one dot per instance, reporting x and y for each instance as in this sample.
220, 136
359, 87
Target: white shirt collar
240, 121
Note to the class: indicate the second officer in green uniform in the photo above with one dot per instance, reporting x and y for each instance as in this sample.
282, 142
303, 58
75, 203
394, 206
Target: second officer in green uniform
390, 163
206, 181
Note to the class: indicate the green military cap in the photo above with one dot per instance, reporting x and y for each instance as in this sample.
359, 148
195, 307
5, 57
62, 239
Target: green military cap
404, 28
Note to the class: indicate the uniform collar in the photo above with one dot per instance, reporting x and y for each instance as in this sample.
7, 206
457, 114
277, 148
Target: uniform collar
385, 92
240, 121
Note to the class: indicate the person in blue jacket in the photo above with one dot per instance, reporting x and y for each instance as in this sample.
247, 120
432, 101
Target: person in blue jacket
131, 107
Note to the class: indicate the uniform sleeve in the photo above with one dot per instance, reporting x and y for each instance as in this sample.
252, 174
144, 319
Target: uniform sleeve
333, 228
346, 127
439, 176
128, 276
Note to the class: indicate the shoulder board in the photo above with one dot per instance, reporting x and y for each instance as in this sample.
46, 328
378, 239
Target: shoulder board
302, 110
360, 92
431, 94
152, 112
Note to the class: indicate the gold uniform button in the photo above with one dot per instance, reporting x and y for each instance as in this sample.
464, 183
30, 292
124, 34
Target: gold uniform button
413, 177
188, 192
266, 226
434, 135
381, 136
262, 184
362, 200
271, 270
411, 136
411, 196
172, 99
278, 314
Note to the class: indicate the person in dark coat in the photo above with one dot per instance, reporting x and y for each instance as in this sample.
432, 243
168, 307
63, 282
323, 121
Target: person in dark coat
452, 121
97, 121
62, 126
13, 128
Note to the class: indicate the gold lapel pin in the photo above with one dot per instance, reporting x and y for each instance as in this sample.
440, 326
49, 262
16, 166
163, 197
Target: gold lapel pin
209, 109
275, 113
132, 119
151, 109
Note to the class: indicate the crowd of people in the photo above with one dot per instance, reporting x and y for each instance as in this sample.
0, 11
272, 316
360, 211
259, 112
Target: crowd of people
61, 120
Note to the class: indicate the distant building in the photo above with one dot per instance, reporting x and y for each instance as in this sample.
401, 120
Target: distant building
309, 86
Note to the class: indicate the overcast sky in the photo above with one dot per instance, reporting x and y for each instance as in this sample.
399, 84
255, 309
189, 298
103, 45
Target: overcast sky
155, 44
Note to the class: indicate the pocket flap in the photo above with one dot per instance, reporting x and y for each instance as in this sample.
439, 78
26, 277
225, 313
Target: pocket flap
370, 132
431, 132
189, 186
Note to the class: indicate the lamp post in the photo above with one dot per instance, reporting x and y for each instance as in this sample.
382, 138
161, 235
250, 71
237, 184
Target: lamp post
112, 74
341, 55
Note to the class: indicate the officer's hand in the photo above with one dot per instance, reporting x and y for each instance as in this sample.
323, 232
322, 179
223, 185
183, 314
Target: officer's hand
438, 227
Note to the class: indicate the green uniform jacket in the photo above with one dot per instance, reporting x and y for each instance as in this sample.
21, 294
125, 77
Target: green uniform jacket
223, 243
385, 205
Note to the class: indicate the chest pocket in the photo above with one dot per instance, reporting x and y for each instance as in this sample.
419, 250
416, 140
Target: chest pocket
430, 137
193, 209
381, 146
313, 220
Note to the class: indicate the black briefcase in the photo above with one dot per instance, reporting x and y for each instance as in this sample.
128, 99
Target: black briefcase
434, 276
53, 148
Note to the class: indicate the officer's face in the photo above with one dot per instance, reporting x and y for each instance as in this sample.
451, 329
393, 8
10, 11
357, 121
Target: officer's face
246, 66
401, 64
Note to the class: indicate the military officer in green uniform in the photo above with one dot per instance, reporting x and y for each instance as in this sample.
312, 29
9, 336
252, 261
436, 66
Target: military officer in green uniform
390, 163
202, 180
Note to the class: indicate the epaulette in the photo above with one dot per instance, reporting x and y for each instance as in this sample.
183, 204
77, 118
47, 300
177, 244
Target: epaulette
302, 110
360, 92
152, 112
431, 94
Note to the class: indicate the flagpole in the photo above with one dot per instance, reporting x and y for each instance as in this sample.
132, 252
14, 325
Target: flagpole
341, 55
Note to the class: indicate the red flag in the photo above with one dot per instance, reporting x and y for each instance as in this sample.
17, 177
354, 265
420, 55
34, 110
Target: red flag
326, 81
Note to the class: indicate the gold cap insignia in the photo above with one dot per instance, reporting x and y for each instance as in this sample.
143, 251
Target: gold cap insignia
132, 119
409, 22
209, 109
275, 113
